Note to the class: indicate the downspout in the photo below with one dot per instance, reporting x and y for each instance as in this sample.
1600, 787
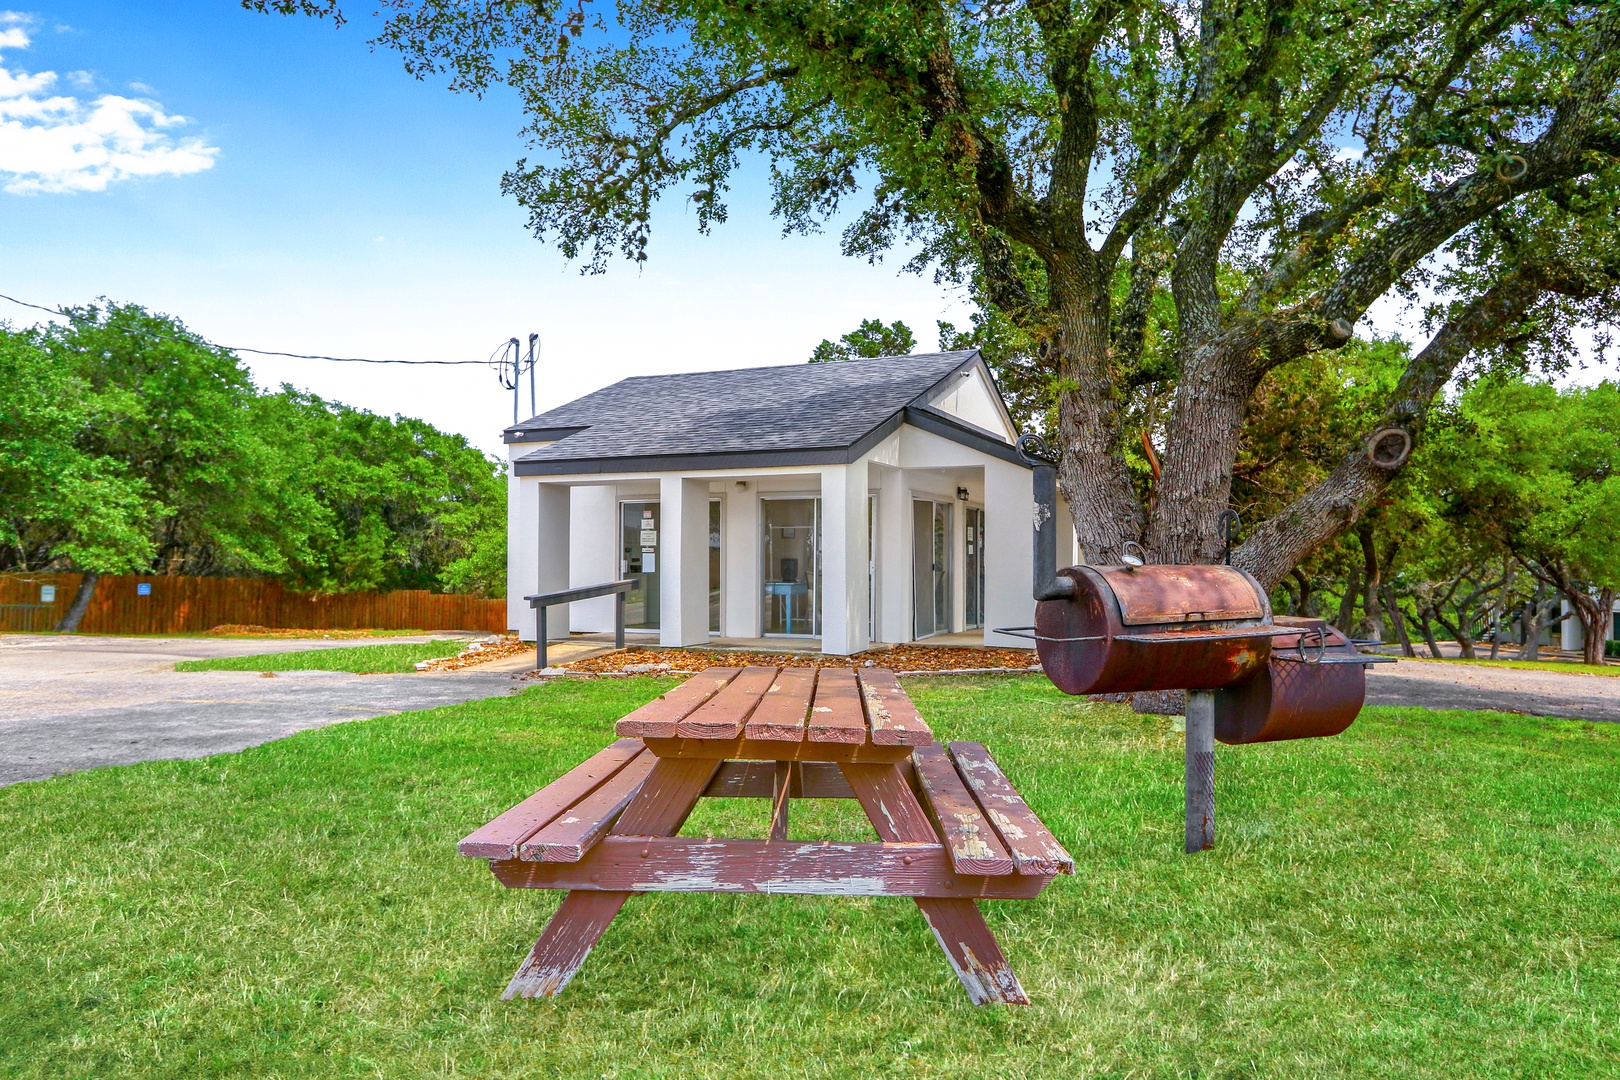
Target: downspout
1043, 467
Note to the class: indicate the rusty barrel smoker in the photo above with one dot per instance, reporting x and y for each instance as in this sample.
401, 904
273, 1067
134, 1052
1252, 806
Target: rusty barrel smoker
1250, 677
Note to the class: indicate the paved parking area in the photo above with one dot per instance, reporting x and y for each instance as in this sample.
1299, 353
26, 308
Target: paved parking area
1436, 685
72, 703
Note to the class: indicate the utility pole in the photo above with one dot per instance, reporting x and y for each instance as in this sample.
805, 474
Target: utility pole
510, 363
534, 355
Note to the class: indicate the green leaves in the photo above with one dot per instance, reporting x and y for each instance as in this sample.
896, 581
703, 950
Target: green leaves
869, 339
129, 444
59, 499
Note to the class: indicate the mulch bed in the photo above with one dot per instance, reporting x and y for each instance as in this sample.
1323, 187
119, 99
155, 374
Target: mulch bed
899, 658
250, 630
481, 652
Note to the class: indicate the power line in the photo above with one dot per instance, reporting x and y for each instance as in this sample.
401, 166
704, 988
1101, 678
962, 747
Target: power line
265, 352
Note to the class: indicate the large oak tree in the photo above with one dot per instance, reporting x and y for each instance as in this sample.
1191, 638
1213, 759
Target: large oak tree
1274, 166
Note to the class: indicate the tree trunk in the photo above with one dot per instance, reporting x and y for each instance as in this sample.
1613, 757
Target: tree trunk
1095, 480
1499, 608
1346, 621
1306, 608
1371, 580
1392, 608
81, 603
1531, 649
1428, 633
1594, 613
1465, 640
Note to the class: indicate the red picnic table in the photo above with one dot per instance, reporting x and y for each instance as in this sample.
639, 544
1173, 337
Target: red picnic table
953, 829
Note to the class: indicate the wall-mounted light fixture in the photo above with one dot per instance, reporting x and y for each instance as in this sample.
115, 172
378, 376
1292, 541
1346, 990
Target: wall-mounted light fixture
742, 485
962, 493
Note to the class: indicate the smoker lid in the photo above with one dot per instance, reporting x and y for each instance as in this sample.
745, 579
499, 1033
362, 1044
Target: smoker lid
1150, 595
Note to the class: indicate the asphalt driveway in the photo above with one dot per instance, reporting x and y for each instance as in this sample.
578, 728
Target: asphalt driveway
1437, 685
73, 703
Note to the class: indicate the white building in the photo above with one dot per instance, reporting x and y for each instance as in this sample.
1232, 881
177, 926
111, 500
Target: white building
849, 503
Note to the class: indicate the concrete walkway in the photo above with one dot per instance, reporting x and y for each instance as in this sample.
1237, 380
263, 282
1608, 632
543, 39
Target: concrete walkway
72, 703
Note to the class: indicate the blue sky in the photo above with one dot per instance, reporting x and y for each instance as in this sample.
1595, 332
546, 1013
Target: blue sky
322, 200
316, 198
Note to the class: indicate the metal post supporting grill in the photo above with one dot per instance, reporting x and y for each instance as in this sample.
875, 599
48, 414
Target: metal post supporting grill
1200, 776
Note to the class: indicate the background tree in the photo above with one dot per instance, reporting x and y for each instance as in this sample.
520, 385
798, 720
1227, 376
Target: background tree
1537, 471
869, 339
1274, 166
61, 502
129, 444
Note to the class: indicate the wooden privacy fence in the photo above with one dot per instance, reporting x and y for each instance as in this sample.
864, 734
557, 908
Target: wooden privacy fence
135, 604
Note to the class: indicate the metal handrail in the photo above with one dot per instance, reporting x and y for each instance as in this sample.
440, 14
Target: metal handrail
541, 601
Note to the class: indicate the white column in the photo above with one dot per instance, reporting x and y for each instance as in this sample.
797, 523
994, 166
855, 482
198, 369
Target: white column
894, 556
1009, 526
553, 506
594, 543
843, 559
683, 553
522, 559
740, 550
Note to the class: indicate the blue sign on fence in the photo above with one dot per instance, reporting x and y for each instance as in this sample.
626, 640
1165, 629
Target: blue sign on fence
143, 589
47, 594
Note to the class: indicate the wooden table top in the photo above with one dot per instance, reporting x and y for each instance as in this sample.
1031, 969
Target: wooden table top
862, 707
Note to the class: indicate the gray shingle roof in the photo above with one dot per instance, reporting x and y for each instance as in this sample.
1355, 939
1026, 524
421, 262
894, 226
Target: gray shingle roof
770, 410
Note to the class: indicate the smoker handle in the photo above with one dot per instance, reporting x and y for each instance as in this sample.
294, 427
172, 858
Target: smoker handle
1043, 469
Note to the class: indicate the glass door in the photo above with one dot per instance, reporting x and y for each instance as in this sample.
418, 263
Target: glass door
638, 561
791, 589
930, 567
714, 566
974, 567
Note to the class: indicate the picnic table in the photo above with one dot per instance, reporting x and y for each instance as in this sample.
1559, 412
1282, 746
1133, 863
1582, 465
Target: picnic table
952, 828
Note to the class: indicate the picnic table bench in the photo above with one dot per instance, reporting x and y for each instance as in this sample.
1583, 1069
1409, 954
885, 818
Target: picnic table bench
952, 829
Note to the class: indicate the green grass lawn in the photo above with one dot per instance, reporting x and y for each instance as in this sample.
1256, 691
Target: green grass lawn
1428, 895
364, 658
1563, 667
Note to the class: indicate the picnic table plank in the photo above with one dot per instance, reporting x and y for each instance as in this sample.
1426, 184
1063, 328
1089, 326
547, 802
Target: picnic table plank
970, 839
836, 716
766, 750
571, 835
895, 720
499, 839
723, 715
659, 716
804, 868
1033, 848
780, 714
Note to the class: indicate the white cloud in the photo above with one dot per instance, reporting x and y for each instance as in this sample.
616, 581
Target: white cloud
60, 143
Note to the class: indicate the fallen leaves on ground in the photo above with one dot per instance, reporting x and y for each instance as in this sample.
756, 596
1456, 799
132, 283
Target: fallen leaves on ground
250, 630
898, 658
481, 652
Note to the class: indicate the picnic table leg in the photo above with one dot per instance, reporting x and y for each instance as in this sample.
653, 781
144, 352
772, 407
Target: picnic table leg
781, 785
958, 925
660, 808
